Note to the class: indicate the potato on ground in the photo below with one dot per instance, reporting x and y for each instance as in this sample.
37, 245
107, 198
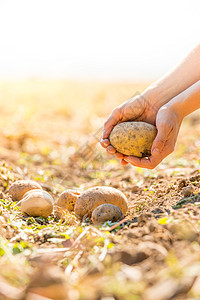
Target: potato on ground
31, 191
37, 203
68, 199
95, 196
20, 187
133, 138
106, 212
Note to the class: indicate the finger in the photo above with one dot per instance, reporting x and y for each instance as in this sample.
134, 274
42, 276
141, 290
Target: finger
123, 162
106, 133
110, 150
137, 162
119, 155
132, 160
147, 162
112, 120
161, 138
104, 143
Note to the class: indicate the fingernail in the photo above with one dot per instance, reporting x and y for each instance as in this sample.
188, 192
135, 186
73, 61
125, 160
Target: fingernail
106, 144
111, 150
155, 150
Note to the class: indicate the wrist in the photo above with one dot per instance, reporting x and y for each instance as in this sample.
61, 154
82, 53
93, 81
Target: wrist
156, 96
176, 106
188, 101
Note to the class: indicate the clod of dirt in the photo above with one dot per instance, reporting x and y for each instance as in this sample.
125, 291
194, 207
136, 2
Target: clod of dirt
20, 187
95, 196
170, 288
129, 256
67, 200
182, 183
187, 191
48, 282
106, 212
143, 218
133, 138
2, 195
37, 203
183, 231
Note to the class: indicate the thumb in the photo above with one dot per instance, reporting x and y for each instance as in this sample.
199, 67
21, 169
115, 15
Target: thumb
160, 140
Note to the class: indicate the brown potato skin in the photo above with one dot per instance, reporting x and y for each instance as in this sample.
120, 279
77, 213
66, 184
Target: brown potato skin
67, 200
95, 196
37, 203
133, 138
106, 212
20, 187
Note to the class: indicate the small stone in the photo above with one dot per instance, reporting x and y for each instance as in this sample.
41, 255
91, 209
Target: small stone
143, 218
187, 191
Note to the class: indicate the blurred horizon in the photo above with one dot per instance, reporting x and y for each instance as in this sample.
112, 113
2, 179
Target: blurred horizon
88, 40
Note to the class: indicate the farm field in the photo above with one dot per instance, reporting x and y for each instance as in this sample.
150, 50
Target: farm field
49, 133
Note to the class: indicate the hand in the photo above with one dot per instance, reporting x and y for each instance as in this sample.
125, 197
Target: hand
140, 108
168, 123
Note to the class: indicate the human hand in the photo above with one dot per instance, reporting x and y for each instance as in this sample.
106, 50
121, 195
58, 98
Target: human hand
140, 108
168, 123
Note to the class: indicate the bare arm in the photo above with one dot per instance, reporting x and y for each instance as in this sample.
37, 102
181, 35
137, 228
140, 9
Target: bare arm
168, 122
175, 82
156, 95
188, 101
147, 106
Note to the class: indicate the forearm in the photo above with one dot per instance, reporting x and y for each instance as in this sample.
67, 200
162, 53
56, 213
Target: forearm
175, 82
187, 101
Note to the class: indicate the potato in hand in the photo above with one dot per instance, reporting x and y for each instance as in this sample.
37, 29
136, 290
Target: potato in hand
133, 138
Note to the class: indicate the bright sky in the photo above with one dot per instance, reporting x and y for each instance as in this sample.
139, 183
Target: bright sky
100, 39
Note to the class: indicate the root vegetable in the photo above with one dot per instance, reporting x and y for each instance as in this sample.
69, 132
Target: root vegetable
106, 212
93, 197
133, 138
67, 200
20, 187
37, 203
31, 191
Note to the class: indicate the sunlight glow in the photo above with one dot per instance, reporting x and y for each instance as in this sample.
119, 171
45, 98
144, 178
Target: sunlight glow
107, 39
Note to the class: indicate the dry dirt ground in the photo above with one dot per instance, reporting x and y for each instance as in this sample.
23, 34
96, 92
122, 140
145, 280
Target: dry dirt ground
49, 133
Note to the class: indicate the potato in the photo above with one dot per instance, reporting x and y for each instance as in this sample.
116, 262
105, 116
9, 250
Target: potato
106, 212
95, 196
37, 203
20, 187
133, 138
29, 192
67, 200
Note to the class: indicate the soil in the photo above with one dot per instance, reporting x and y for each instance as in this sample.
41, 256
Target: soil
153, 254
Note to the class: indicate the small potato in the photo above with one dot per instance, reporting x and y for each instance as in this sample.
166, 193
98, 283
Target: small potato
95, 196
106, 212
20, 187
133, 138
68, 199
37, 203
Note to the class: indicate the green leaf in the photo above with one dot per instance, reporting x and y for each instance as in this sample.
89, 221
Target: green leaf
17, 248
110, 245
163, 221
2, 252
